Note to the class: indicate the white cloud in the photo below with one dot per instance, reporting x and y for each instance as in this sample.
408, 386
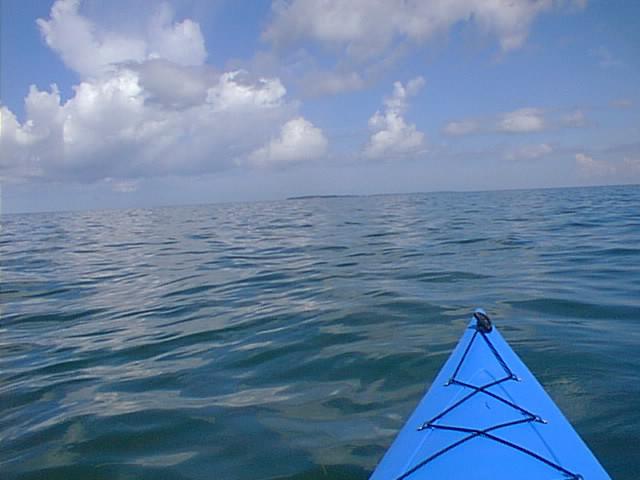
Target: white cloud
110, 128
234, 92
145, 107
577, 118
299, 141
393, 136
461, 127
401, 93
173, 85
178, 42
622, 103
124, 186
626, 170
618, 163
631, 165
25, 148
366, 28
92, 51
529, 152
523, 120
604, 57
369, 36
590, 167
327, 82
80, 46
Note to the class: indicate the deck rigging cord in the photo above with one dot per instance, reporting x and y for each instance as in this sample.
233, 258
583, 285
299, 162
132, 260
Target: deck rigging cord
482, 328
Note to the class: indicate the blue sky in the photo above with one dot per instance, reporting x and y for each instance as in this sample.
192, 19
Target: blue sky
124, 104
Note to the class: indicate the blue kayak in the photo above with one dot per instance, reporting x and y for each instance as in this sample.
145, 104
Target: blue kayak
486, 417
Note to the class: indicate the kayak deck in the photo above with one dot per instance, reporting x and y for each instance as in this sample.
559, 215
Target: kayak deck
487, 417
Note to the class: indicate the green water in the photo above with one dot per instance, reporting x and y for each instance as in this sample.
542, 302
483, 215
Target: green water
290, 340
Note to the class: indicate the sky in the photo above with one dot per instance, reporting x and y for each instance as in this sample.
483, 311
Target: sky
134, 104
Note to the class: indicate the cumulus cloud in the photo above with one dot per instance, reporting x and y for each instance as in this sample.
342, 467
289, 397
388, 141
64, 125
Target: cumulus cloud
369, 36
299, 141
626, 170
523, 120
590, 167
461, 127
622, 103
91, 51
179, 42
366, 28
393, 136
604, 57
577, 118
173, 85
145, 106
123, 186
328, 82
520, 121
231, 93
111, 128
529, 152
631, 165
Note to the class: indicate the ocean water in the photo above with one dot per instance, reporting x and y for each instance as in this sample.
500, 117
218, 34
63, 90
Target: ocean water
290, 340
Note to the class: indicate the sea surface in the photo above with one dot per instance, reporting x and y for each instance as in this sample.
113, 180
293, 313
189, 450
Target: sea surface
291, 339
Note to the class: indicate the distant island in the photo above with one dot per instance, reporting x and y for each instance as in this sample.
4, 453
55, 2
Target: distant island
310, 197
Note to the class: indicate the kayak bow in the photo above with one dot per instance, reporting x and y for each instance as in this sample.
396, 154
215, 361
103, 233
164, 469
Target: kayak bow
487, 417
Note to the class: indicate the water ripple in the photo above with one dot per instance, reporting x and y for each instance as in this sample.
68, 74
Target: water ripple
289, 340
